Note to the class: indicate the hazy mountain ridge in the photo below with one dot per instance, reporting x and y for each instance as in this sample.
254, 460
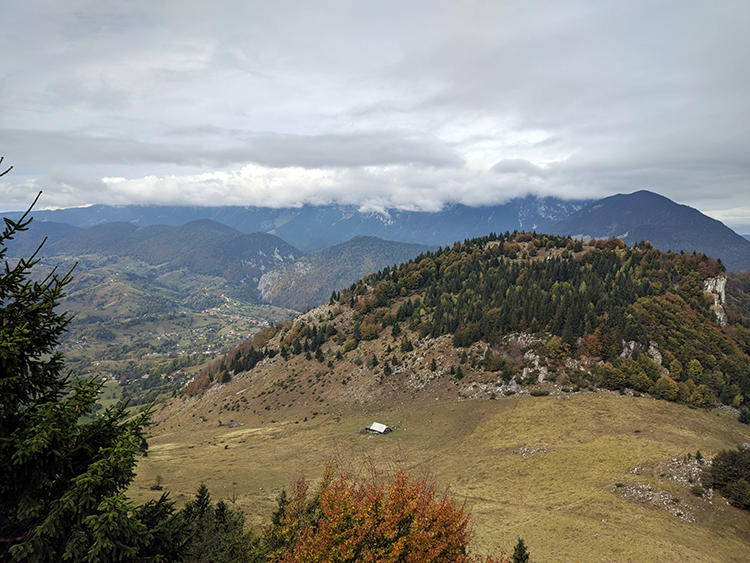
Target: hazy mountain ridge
638, 216
27, 242
243, 258
311, 229
200, 247
644, 215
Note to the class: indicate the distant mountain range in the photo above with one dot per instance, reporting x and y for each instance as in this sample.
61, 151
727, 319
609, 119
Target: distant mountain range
265, 267
201, 247
261, 249
312, 229
665, 224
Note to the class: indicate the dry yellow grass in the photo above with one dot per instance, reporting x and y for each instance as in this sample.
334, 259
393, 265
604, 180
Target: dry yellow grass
558, 499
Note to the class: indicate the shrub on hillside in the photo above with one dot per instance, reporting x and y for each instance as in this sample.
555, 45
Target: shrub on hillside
611, 377
349, 520
666, 388
730, 474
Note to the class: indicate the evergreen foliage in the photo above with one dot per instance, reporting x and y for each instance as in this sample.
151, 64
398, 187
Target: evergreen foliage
730, 474
61, 491
590, 298
218, 533
583, 300
520, 553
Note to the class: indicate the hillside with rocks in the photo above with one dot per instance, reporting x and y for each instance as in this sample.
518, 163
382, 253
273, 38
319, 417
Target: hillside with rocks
495, 317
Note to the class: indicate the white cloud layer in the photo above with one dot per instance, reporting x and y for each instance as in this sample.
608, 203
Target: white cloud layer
378, 104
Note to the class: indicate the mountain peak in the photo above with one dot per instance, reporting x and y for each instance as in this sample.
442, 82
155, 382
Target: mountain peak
645, 215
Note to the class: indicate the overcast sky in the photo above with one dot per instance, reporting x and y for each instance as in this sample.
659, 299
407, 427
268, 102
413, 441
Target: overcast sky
375, 103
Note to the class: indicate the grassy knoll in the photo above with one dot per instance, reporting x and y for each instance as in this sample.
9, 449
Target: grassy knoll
540, 468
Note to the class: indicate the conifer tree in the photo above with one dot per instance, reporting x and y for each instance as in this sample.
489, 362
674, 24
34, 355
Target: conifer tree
61, 490
520, 553
217, 532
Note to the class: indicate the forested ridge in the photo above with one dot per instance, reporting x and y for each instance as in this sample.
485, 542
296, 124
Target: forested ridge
594, 299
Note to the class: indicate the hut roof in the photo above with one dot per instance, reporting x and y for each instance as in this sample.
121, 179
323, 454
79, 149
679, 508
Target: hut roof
379, 428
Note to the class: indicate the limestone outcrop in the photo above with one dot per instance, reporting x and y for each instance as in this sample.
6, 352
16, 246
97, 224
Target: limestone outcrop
716, 286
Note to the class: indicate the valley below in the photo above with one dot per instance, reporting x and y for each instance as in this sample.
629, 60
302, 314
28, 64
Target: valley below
147, 331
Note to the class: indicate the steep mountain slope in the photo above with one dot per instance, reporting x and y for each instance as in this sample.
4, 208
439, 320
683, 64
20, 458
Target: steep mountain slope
309, 281
314, 228
667, 225
738, 293
200, 247
241, 258
172, 244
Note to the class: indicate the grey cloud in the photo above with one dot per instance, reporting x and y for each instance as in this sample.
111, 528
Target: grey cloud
362, 148
414, 104
518, 166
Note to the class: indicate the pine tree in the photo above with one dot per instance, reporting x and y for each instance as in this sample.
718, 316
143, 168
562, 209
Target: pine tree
406, 345
459, 373
61, 491
520, 553
217, 532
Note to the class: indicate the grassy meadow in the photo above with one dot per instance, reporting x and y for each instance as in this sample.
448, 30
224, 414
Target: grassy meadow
540, 468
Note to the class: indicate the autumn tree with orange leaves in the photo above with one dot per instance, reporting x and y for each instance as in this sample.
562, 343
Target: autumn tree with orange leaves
344, 520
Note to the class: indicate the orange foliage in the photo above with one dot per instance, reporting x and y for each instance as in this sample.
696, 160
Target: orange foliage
592, 345
198, 385
260, 340
293, 334
404, 521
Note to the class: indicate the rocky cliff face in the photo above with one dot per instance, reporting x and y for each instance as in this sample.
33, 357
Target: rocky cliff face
716, 286
632, 348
